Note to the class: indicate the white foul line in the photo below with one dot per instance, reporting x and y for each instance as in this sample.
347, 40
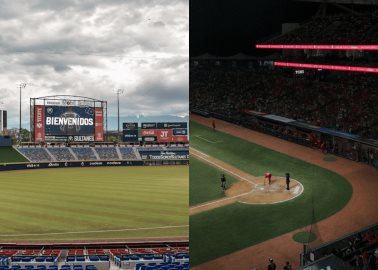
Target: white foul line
206, 140
101, 231
220, 200
220, 167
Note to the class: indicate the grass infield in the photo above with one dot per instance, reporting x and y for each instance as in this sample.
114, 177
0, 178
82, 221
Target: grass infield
94, 203
224, 230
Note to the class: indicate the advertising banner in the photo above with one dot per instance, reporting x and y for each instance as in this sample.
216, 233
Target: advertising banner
180, 131
66, 121
130, 125
60, 164
39, 127
130, 135
172, 125
148, 125
164, 135
180, 138
99, 125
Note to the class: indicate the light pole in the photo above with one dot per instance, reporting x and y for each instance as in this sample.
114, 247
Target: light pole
21, 85
1, 117
118, 92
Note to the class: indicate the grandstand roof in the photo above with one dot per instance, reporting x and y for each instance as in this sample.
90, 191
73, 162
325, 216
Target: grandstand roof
352, 2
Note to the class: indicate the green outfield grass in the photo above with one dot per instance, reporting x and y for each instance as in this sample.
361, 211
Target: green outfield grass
205, 182
9, 155
230, 228
103, 202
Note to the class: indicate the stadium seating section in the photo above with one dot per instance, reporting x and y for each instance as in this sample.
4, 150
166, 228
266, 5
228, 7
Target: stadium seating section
335, 29
359, 249
156, 258
63, 153
337, 100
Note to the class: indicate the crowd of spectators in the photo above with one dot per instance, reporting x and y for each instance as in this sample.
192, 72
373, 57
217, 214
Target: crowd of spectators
35, 154
343, 28
61, 153
107, 153
360, 250
338, 100
128, 153
84, 153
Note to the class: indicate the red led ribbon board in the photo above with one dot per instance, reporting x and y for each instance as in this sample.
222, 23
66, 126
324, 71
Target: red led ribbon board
318, 47
328, 67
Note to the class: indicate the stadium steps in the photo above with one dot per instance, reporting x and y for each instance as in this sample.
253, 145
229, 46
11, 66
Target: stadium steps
95, 153
72, 153
119, 153
49, 153
137, 154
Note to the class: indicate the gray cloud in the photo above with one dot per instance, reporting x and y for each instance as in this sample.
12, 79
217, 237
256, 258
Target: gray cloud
92, 47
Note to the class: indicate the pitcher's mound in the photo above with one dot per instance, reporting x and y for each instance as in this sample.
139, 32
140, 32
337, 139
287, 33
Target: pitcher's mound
257, 192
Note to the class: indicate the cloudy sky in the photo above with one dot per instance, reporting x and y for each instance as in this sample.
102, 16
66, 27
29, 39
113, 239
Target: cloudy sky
92, 47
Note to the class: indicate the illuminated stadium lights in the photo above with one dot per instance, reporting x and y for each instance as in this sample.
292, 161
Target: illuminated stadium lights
329, 67
318, 47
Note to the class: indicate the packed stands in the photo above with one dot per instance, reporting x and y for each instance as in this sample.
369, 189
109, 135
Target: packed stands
359, 249
107, 153
128, 153
35, 154
88, 153
61, 153
84, 153
343, 28
340, 101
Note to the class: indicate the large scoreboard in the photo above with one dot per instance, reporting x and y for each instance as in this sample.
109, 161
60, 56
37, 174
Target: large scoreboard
165, 132
68, 122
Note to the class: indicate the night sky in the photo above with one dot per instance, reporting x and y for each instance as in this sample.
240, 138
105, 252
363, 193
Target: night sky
227, 27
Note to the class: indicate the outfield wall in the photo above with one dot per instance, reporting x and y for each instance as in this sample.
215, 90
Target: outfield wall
97, 163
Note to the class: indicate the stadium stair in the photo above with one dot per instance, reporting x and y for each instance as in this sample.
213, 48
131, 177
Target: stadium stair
119, 153
137, 154
73, 153
51, 155
95, 153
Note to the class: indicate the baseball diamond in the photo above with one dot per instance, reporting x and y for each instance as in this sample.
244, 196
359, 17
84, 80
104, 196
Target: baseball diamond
236, 233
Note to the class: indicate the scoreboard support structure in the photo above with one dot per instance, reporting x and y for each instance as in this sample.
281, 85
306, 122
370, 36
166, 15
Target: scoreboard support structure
66, 118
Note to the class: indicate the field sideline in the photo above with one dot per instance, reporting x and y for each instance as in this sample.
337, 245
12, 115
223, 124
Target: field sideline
94, 203
224, 230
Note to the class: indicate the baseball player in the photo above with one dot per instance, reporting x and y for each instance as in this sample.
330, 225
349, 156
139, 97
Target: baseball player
268, 176
223, 182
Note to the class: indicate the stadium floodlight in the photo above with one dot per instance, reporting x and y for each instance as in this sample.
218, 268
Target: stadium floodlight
328, 67
118, 92
20, 85
318, 47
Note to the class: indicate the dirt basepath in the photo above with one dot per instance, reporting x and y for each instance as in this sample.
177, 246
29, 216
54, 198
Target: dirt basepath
358, 213
249, 189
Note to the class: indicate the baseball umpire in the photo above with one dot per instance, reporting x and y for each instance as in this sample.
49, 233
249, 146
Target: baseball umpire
223, 182
287, 181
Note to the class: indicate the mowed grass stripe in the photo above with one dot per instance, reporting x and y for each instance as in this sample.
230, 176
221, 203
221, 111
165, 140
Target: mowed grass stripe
83, 199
